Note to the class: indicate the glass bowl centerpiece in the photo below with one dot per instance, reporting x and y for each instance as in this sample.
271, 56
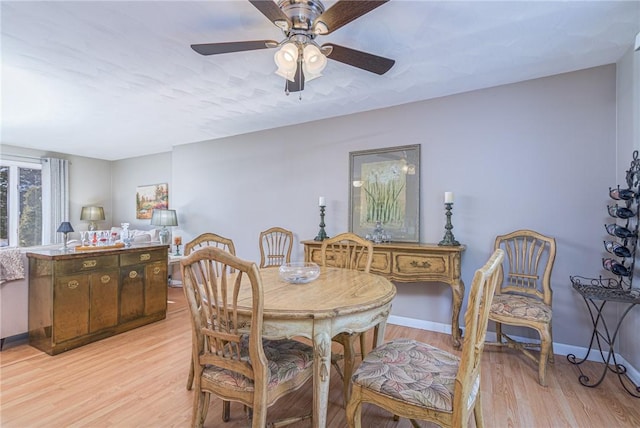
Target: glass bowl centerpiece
299, 272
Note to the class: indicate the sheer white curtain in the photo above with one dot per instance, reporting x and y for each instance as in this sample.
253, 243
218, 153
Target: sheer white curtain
55, 197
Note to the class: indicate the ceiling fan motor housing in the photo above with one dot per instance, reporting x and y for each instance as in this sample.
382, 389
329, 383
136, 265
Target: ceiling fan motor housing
302, 13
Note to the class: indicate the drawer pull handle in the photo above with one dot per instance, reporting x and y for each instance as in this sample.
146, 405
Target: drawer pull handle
423, 264
89, 263
105, 279
133, 274
144, 257
73, 284
156, 270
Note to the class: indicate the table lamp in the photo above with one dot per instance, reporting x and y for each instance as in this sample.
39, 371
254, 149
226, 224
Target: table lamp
164, 218
65, 227
92, 214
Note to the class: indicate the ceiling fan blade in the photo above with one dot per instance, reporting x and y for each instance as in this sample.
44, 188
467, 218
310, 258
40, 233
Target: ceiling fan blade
298, 84
366, 61
273, 13
342, 13
227, 47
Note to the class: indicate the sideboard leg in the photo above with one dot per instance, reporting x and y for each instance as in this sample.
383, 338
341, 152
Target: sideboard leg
457, 289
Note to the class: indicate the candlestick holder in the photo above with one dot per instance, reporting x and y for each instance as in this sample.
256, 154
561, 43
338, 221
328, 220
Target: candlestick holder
322, 235
449, 239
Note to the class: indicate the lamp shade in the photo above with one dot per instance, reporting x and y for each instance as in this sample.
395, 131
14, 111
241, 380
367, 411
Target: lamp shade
164, 218
65, 227
92, 213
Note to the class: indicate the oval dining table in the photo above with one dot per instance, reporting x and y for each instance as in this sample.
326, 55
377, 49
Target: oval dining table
338, 301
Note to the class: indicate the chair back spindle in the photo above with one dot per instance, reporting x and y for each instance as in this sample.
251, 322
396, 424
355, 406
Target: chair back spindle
525, 253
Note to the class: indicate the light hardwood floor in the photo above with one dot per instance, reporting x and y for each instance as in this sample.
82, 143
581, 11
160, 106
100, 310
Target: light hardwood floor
137, 379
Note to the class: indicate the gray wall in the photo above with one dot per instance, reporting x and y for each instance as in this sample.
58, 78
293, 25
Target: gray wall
628, 127
89, 182
538, 154
128, 174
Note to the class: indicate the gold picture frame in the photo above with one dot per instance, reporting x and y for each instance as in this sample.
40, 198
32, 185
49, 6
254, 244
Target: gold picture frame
384, 186
150, 197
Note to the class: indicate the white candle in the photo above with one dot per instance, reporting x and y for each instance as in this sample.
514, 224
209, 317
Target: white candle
448, 197
321, 201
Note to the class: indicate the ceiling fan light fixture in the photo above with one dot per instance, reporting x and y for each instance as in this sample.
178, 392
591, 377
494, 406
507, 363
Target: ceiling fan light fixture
286, 58
314, 60
287, 74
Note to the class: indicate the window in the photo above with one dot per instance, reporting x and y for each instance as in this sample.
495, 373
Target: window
20, 204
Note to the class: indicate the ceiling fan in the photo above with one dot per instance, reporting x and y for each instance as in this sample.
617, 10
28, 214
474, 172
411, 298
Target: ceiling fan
300, 58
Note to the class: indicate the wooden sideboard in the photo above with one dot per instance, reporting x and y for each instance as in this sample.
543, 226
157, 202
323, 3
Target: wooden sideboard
404, 262
79, 297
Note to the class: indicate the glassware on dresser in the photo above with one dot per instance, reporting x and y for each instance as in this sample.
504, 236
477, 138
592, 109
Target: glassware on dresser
124, 234
378, 235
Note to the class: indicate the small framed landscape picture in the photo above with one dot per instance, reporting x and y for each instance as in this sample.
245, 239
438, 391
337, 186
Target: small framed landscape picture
385, 188
150, 197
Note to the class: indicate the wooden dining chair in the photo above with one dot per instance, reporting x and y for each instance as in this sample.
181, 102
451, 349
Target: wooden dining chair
275, 247
419, 381
232, 361
208, 240
524, 296
347, 251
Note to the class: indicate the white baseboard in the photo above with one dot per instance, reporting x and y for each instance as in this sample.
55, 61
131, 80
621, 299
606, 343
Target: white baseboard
558, 348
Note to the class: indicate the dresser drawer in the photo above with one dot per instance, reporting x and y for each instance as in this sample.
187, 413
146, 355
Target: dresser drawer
73, 266
142, 257
421, 265
381, 263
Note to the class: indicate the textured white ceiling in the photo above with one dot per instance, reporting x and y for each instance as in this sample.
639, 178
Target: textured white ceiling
113, 79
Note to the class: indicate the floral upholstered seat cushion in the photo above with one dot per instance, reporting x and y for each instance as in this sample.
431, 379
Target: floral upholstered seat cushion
286, 359
522, 307
411, 371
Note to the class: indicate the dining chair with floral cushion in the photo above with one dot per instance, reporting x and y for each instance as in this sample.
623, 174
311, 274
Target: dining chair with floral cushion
347, 251
209, 240
415, 380
231, 359
524, 296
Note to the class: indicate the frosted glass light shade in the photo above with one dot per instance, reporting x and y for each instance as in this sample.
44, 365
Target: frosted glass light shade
314, 62
286, 58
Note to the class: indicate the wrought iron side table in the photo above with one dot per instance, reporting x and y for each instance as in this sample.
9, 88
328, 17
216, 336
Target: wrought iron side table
596, 297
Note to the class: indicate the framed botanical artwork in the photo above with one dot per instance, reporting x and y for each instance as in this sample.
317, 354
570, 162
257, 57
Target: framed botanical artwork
385, 188
150, 197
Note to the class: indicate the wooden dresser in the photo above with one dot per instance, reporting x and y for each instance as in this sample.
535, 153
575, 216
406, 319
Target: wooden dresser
79, 297
403, 262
